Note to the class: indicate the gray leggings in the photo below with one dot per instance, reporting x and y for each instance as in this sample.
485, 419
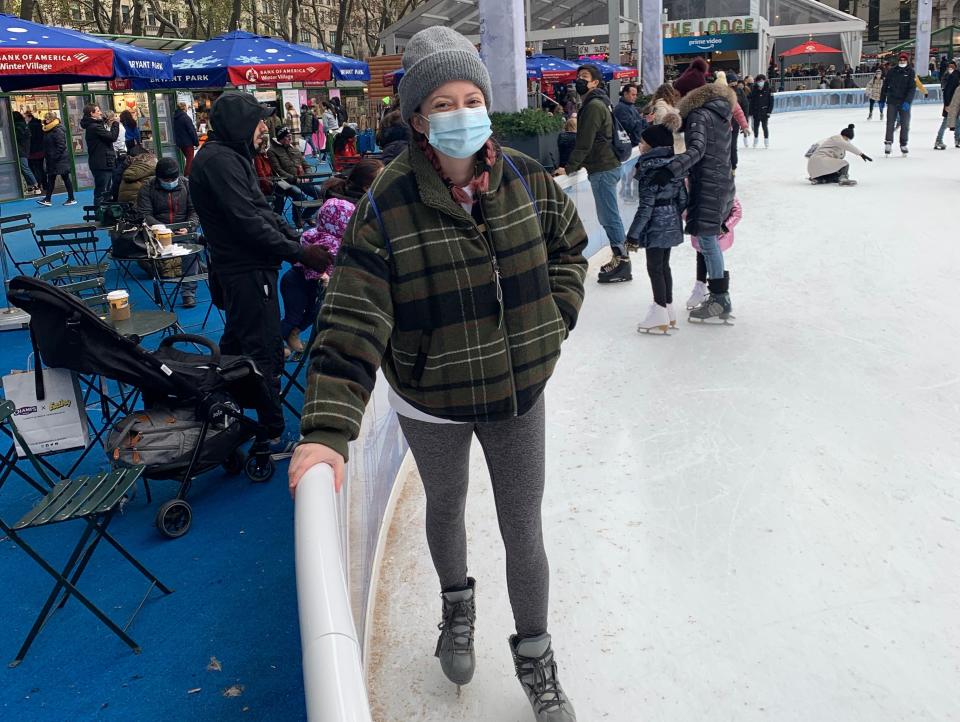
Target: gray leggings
514, 450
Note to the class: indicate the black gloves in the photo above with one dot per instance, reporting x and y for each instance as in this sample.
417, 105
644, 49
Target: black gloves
866, 157
316, 258
662, 176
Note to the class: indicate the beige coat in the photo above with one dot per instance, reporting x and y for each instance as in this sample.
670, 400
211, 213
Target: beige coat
953, 109
873, 88
669, 116
829, 156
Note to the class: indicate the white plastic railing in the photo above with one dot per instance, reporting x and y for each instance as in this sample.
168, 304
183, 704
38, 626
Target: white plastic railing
332, 667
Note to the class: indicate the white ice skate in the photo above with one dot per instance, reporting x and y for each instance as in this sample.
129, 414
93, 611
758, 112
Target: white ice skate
746, 141
657, 319
755, 141
697, 296
904, 150
766, 142
672, 314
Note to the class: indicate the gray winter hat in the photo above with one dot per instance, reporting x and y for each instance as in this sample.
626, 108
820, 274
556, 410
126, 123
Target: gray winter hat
436, 56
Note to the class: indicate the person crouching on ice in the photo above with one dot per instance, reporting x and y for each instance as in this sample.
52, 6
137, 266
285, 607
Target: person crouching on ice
657, 226
826, 163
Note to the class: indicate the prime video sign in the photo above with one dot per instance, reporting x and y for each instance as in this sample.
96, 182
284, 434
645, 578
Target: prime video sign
710, 44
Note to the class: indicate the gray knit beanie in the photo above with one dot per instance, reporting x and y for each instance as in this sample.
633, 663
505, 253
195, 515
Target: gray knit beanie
436, 56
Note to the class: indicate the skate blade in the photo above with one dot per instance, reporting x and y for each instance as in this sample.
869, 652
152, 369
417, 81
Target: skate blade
712, 321
663, 330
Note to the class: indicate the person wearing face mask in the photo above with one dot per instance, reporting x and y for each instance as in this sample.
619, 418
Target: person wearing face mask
761, 106
949, 83
247, 242
460, 274
593, 152
165, 199
873, 92
898, 90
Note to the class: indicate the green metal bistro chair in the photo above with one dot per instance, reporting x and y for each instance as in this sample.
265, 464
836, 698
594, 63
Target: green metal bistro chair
95, 499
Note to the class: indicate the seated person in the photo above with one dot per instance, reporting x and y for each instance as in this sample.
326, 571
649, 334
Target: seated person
344, 146
165, 199
141, 165
288, 163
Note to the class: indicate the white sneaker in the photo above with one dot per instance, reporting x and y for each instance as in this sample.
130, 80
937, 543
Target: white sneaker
698, 295
657, 319
672, 314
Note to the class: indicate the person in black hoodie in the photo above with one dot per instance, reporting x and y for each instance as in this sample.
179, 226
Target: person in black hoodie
761, 106
899, 88
247, 243
101, 156
185, 135
22, 131
949, 83
36, 149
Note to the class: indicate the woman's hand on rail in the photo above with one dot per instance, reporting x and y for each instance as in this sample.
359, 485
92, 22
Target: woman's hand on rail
307, 455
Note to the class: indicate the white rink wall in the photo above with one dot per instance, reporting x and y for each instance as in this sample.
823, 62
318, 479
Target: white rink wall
757, 522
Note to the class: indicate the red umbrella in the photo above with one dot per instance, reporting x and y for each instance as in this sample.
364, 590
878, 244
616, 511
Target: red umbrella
809, 48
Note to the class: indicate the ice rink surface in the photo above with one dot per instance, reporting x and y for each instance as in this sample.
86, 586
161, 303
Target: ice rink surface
757, 522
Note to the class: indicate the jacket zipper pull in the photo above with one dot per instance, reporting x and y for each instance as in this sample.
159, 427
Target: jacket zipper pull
500, 310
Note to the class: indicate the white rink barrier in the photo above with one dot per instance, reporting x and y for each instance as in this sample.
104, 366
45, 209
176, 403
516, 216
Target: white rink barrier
333, 675
827, 99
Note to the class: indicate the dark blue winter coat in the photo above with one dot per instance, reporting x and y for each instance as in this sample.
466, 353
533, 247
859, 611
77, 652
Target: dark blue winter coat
184, 132
657, 223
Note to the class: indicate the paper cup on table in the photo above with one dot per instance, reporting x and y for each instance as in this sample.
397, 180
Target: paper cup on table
163, 235
119, 305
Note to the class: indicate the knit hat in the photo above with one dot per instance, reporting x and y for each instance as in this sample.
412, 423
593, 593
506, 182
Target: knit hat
847, 132
657, 136
436, 56
732, 78
167, 169
904, 56
282, 132
720, 77
693, 77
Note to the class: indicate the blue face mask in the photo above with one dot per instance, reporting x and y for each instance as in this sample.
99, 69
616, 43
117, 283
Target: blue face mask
761, 83
169, 185
459, 133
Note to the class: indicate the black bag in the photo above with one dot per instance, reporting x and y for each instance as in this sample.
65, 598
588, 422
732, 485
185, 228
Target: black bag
132, 241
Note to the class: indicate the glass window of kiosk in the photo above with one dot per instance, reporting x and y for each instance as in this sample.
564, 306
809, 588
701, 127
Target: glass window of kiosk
78, 144
9, 165
165, 108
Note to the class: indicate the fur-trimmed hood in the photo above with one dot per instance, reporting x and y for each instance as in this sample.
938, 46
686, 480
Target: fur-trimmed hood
666, 114
706, 94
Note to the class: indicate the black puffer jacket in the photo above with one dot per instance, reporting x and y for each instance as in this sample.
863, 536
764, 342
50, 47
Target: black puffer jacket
950, 82
393, 141
760, 101
744, 100
242, 231
100, 140
657, 222
184, 132
55, 150
706, 114
899, 86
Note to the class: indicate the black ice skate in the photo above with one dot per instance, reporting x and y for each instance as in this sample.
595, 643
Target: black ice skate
537, 672
956, 142
904, 150
455, 644
617, 270
939, 145
717, 305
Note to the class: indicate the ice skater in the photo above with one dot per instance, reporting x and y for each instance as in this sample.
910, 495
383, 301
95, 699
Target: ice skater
872, 91
951, 79
761, 106
395, 300
657, 225
898, 91
724, 241
825, 160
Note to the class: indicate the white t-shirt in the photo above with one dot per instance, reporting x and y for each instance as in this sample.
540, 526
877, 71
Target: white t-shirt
398, 404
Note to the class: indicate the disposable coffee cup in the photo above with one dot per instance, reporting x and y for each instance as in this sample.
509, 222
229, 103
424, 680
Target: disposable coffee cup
163, 235
119, 302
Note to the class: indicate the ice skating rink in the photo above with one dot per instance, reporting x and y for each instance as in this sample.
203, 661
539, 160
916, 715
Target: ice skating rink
757, 522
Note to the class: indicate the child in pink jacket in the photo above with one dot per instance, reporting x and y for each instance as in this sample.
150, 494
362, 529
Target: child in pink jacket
300, 288
725, 241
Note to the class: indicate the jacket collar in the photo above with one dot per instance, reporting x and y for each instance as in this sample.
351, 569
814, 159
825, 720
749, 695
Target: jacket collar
434, 192
704, 94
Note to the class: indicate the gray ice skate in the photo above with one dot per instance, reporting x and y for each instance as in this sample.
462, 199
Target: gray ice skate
537, 672
455, 644
904, 150
847, 182
717, 307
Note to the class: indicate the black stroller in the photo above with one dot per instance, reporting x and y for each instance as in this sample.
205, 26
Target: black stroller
195, 399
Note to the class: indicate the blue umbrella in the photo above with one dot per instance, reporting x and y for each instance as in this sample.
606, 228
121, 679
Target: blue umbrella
34, 55
242, 58
611, 71
550, 68
345, 68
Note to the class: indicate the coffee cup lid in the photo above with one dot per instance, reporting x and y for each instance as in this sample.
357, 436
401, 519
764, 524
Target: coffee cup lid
117, 295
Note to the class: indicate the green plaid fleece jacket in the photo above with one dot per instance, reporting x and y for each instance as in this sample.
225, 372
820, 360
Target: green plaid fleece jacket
465, 318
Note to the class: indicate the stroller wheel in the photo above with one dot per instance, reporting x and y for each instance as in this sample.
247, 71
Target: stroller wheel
234, 463
174, 518
259, 468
